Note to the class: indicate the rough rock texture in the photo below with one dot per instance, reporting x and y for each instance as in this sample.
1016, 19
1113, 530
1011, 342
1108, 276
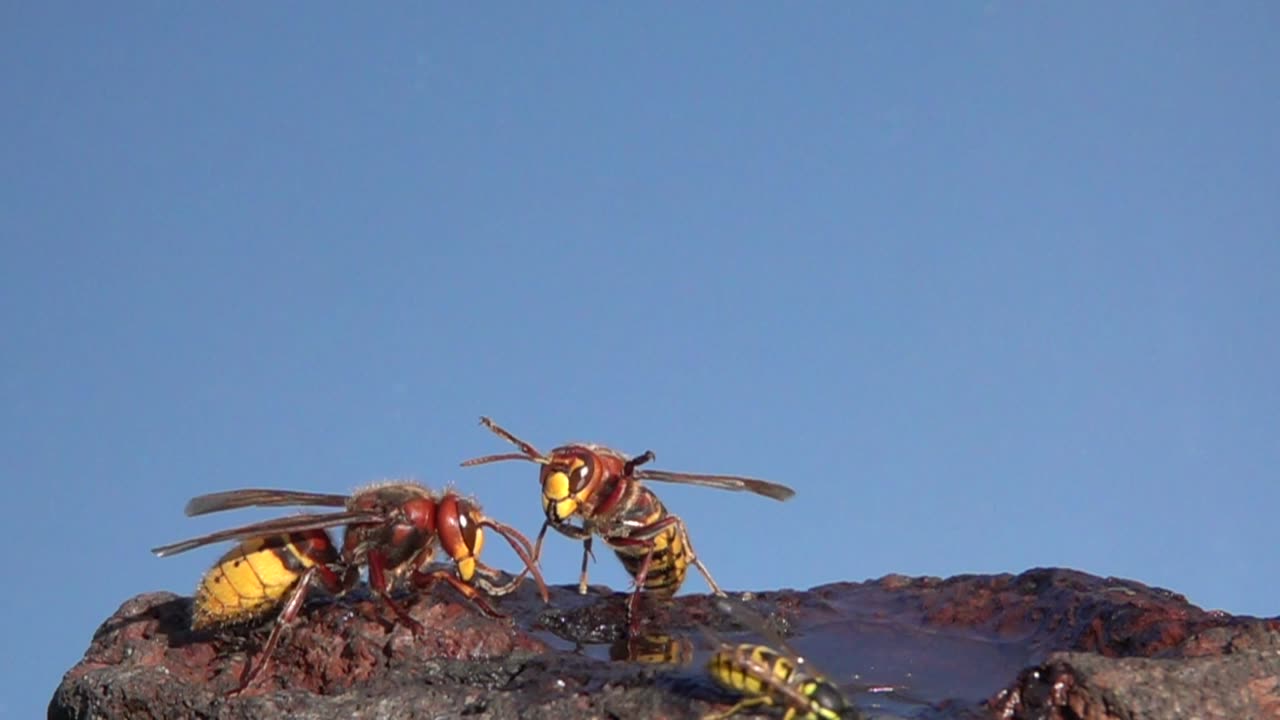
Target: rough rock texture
1052, 644
1243, 683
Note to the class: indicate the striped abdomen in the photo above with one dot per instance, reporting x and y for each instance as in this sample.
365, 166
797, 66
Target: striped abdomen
254, 577
729, 667
670, 554
757, 671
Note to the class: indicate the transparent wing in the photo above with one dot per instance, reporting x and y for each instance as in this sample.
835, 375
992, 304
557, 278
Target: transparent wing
740, 613
777, 491
752, 620
296, 523
259, 497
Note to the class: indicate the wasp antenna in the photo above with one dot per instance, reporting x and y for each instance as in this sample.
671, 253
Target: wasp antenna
635, 462
501, 458
524, 549
525, 447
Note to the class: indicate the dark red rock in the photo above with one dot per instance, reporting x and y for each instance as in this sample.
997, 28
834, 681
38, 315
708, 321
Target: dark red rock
1082, 686
943, 646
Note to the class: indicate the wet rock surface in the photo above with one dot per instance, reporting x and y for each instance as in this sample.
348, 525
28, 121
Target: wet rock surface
1049, 643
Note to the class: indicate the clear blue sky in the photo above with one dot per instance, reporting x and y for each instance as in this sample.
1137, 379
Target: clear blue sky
992, 286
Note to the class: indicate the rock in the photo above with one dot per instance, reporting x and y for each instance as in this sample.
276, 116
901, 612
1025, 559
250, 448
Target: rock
1082, 686
1048, 643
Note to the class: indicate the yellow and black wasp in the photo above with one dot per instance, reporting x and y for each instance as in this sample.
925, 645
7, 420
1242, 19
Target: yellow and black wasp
772, 675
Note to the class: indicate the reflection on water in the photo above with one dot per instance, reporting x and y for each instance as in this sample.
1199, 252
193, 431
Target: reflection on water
888, 669
932, 666
655, 649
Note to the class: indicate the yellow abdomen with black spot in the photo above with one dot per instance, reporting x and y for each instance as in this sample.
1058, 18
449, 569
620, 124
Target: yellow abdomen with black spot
253, 578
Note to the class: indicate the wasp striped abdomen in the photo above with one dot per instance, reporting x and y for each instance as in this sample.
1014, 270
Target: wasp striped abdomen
250, 581
750, 669
772, 675
766, 677
670, 560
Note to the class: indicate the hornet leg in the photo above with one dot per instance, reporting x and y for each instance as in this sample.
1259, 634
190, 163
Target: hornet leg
289, 613
382, 586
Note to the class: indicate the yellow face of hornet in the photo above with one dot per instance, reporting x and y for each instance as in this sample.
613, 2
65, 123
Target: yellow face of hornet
458, 525
467, 553
468, 557
566, 486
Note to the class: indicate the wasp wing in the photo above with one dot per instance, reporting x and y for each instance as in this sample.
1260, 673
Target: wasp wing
753, 621
777, 491
260, 497
296, 523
